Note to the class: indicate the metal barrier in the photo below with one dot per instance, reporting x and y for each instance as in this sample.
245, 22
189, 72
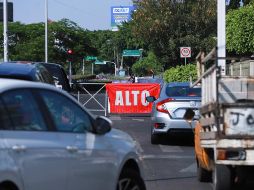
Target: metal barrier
94, 101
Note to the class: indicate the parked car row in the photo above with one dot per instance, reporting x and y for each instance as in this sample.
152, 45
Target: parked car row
50, 141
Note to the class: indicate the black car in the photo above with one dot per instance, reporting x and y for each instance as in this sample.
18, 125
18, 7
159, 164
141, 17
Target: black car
59, 75
26, 71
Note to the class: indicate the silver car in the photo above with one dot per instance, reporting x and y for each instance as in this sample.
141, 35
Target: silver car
49, 141
168, 110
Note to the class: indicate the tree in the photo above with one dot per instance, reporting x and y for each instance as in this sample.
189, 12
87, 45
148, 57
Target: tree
165, 26
26, 42
147, 66
240, 30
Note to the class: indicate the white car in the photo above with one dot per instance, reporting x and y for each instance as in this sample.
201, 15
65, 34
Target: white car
48, 141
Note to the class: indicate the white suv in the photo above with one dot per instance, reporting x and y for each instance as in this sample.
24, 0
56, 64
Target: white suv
49, 141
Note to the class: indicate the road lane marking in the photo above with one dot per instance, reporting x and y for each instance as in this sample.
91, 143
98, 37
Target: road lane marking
166, 148
140, 120
115, 118
192, 168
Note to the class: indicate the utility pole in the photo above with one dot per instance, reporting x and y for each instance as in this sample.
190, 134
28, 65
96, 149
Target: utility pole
221, 34
5, 16
46, 31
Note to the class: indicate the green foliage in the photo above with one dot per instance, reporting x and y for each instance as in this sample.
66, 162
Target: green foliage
165, 26
147, 66
181, 73
240, 30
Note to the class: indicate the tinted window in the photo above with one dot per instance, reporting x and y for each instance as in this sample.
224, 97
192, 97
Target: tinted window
178, 91
4, 119
23, 111
67, 116
60, 75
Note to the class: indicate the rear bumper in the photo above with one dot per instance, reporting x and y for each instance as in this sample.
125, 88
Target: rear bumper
171, 125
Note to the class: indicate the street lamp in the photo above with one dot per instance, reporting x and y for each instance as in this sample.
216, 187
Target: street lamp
141, 53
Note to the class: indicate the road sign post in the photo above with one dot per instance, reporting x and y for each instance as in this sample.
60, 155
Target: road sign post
130, 53
185, 52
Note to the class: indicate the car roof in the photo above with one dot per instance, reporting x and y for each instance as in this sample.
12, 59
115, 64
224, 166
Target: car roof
14, 68
8, 84
170, 84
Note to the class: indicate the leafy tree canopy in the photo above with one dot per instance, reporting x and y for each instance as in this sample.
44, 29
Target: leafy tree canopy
240, 30
165, 26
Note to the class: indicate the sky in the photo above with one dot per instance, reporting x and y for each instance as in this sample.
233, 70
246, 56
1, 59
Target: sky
88, 14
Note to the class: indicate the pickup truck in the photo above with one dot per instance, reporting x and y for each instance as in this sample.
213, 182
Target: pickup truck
224, 134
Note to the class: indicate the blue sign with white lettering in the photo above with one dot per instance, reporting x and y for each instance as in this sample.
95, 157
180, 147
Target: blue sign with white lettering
120, 14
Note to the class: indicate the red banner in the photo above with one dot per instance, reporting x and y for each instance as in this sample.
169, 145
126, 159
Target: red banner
131, 98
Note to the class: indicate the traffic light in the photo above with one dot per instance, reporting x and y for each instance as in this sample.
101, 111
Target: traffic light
69, 51
70, 55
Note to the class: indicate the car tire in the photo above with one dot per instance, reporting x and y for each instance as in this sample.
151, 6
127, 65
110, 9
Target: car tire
155, 139
222, 178
203, 174
130, 179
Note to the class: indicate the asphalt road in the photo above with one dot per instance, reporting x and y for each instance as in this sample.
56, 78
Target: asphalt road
168, 166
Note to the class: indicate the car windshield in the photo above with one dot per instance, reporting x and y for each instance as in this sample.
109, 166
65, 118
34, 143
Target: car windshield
183, 91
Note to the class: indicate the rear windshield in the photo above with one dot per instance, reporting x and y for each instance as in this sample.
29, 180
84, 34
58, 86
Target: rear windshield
183, 91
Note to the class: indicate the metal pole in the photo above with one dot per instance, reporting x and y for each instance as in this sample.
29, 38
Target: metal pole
221, 34
83, 66
92, 67
115, 68
5, 16
70, 73
46, 31
121, 67
185, 61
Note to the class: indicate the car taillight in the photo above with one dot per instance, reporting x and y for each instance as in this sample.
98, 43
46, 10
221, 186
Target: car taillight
161, 107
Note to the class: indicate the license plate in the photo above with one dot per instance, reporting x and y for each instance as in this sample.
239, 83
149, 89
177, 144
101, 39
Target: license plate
239, 121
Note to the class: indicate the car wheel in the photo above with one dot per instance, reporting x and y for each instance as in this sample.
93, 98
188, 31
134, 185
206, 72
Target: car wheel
222, 178
155, 139
130, 180
203, 174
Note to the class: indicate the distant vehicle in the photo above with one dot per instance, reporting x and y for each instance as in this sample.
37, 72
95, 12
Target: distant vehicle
59, 75
168, 110
26, 71
49, 141
150, 80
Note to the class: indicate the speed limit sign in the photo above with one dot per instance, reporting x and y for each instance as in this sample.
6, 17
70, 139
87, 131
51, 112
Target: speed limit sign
185, 52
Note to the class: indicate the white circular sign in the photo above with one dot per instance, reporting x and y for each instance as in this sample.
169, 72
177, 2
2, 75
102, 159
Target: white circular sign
185, 52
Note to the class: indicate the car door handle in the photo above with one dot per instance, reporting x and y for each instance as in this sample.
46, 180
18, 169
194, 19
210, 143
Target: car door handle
72, 148
19, 148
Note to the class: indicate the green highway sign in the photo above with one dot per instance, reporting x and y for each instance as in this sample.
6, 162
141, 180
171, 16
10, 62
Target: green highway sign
90, 58
131, 53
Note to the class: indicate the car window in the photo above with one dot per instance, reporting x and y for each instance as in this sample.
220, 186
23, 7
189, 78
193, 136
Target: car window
178, 91
23, 111
4, 119
67, 116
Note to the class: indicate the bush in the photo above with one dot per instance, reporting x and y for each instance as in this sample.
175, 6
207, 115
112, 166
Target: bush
181, 73
147, 66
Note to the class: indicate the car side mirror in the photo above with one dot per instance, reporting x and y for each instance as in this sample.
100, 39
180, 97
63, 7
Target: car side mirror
150, 98
189, 115
102, 125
